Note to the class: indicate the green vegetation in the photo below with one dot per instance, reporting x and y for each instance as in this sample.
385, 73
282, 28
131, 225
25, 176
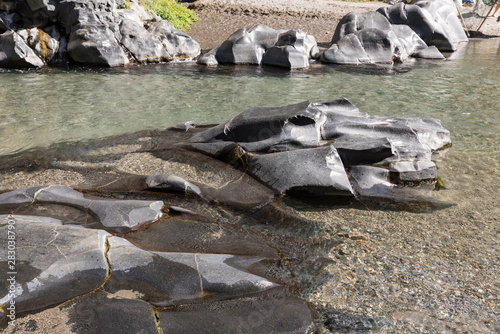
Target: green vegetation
126, 5
171, 11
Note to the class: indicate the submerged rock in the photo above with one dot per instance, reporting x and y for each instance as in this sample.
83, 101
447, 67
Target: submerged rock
54, 262
319, 147
118, 215
262, 45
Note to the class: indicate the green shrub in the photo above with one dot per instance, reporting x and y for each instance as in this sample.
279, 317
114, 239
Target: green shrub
171, 11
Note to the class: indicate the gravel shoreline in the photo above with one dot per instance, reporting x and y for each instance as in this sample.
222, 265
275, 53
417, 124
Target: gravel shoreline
220, 18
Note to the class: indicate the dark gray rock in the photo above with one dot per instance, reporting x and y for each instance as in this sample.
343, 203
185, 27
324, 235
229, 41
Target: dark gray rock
167, 279
257, 316
436, 22
262, 45
177, 43
95, 45
102, 312
54, 263
14, 53
95, 32
117, 215
3, 25
314, 170
385, 182
286, 148
371, 38
172, 183
270, 129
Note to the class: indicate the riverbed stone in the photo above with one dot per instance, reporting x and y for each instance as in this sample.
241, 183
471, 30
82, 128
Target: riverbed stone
184, 234
102, 312
15, 53
169, 278
172, 183
54, 262
260, 316
313, 148
117, 215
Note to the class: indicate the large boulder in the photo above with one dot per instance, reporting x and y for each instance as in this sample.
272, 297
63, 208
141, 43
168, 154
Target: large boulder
320, 147
436, 22
394, 33
177, 43
262, 45
143, 45
371, 38
95, 33
15, 53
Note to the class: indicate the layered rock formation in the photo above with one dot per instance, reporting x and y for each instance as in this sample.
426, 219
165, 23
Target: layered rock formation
329, 148
98, 33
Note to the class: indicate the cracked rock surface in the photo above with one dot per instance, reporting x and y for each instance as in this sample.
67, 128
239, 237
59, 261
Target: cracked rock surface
124, 251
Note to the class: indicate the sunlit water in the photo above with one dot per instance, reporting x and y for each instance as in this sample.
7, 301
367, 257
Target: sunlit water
42, 107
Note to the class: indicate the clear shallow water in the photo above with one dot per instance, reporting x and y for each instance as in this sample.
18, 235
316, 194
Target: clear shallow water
38, 108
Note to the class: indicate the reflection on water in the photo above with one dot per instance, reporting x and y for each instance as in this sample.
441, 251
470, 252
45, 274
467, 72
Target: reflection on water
46, 106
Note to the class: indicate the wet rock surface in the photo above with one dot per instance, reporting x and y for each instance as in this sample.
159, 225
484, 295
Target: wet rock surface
323, 148
192, 256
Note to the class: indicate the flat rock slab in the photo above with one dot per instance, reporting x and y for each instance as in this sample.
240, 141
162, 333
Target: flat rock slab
118, 215
258, 316
175, 278
102, 312
314, 170
191, 236
54, 262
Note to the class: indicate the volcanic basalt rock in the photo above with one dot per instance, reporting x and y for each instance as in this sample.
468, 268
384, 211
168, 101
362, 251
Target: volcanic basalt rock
124, 251
392, 34
262, 45
319, 147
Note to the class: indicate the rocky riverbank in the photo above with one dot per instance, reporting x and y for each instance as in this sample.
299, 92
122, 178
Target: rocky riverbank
219, 18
